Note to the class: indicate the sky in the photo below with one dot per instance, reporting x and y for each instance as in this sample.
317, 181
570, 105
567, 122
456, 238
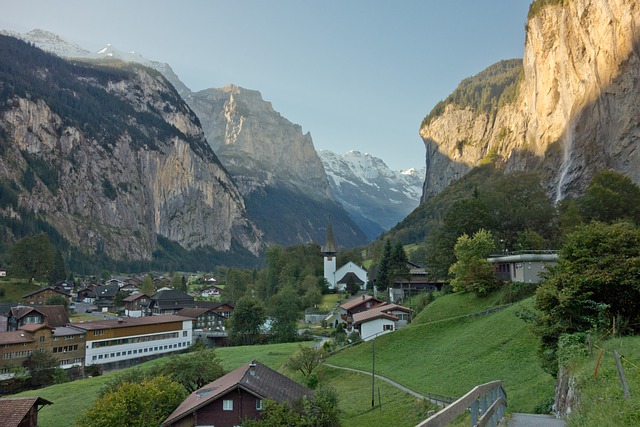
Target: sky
357, 74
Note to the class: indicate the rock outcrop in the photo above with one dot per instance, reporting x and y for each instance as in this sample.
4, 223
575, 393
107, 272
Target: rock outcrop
576, 111
113, 158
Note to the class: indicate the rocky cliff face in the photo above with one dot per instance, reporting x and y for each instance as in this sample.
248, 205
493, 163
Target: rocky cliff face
577, 106
130, 164
248, 135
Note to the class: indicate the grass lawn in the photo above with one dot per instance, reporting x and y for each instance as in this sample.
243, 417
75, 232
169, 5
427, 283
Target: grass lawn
451, 357
73, 398
329, 301
601, 401
14, 289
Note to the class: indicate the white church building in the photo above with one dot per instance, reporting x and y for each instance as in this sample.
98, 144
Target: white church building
339, 278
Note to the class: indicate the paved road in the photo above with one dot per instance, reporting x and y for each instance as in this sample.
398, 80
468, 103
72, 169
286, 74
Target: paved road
531, 420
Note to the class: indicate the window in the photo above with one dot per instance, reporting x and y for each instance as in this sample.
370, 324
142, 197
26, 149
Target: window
227, 405
184, 333
42, 338
387, 327
259, 404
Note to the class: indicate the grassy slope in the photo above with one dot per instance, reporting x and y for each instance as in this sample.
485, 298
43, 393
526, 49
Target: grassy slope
71, 399
601, 400
14, 289
450, 357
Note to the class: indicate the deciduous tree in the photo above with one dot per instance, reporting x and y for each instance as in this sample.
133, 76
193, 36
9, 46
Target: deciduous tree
472, 272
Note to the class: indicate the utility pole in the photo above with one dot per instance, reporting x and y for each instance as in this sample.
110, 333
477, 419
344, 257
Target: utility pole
373, 372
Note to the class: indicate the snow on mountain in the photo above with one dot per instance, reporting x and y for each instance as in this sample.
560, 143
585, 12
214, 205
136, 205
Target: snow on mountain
370, 191
57, 45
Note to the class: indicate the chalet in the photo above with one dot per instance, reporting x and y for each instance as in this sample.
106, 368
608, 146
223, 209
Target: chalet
235, 397
418, 281
523, 266
381, 319
50, 315
357, 305
41, 296
130, 288
222, 308
117, 281
205, 319
170, 302
121, 343
87, 294
106, 296
136, 304
21, 411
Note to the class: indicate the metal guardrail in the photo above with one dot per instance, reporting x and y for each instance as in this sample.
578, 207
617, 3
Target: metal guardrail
486, 402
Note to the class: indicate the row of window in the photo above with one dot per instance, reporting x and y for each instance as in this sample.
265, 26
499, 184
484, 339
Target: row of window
65, 348
17, 354
77, 360
139, 351
145, 338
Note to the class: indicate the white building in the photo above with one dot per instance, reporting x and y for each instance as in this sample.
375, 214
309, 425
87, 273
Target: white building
116, 343
338, 278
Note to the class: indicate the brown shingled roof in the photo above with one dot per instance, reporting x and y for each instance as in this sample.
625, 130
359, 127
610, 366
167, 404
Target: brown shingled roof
130, 321
13, 410
359, 300
15, 337
264, 383
54, 315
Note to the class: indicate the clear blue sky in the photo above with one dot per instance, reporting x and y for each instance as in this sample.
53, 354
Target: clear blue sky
356, 74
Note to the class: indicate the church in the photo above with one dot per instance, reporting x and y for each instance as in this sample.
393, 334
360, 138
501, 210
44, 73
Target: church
339, 278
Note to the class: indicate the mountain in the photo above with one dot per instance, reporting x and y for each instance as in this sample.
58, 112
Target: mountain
110, 160
376, 197
275, 165
568, 109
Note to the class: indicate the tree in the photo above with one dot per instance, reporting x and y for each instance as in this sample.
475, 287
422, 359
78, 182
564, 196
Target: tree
594, 282
58, 271
472, 272
305, 360
247, 320
147, 287
57, 300
42, 367
192, 370
284, 315
138, 404
178, 283
32, 257
384, 267
611, 196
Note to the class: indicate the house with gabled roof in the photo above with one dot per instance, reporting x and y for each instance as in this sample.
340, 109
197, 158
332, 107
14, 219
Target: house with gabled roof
40, 296
50, 315
170, 301
357, 305
235, 397
338, 278
136, 304
381, 319
21, 411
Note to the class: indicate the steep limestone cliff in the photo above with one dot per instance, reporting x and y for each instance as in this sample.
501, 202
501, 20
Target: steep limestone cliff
249, 135
576, 111
112, 158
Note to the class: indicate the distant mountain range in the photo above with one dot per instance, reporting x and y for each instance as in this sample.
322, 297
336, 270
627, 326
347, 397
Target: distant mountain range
376, 197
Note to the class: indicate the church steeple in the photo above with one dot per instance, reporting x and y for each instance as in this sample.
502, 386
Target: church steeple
329, 247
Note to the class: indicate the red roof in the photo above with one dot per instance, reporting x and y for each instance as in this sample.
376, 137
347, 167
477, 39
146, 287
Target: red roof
13, 410
130, 321
358, 301
253, 377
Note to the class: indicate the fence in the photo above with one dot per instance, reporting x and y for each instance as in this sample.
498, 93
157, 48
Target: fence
486, 403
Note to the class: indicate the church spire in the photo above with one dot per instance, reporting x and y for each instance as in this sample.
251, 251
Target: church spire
329, 247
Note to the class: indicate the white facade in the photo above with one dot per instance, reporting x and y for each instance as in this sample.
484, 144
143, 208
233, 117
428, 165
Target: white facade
376, 327
330, 270
133, 313
354, 268
134, 346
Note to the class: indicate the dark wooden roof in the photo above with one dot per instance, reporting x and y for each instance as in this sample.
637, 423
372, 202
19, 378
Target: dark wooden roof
54, 315
329, 247
134, 296
13, 410
45, 289
130, 321
351, 277
253, 377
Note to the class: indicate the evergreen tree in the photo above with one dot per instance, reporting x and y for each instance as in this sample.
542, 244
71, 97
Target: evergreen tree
58, 271
32, 257
384, 267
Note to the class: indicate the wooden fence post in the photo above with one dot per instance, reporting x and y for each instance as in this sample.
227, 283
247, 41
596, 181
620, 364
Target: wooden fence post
623, 380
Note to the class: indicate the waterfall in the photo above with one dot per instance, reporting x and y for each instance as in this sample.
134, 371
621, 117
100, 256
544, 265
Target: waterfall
565, 167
